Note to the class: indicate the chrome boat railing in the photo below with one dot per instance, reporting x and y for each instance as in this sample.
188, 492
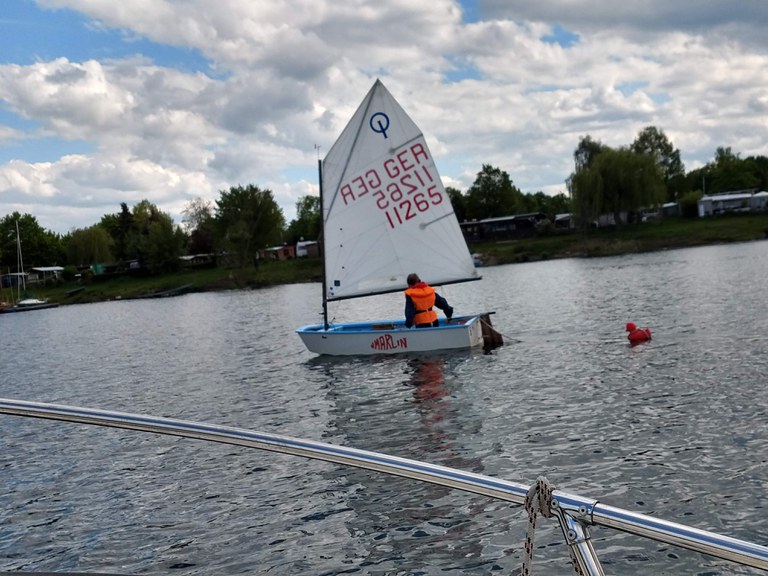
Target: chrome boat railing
574, 513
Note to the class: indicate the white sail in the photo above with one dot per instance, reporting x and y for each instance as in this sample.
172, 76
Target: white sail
385, 210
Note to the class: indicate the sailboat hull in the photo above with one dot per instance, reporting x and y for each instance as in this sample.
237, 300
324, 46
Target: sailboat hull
21, 307
391, 337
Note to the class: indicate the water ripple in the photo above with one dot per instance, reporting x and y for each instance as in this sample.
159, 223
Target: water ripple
675, 428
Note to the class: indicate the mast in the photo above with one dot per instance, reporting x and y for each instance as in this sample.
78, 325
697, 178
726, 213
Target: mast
19, 263
322, 244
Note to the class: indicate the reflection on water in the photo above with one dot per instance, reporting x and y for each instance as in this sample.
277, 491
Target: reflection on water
430, 393
675, 427
398, 522
440, 441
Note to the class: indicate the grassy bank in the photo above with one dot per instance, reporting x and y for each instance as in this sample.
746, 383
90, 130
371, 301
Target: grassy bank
196, 280
649, 236
646, 237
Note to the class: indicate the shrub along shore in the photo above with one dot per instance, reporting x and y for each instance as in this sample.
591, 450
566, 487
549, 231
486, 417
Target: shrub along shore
629, 239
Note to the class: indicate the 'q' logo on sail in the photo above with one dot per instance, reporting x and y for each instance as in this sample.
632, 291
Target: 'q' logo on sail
380, 123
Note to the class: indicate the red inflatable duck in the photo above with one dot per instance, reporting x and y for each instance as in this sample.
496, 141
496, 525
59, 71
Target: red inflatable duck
637, 335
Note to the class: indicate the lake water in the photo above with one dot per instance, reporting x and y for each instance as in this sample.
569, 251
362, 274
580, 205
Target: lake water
676, 427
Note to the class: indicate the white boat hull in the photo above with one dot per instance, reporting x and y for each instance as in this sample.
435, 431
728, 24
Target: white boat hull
391, 337
28, 305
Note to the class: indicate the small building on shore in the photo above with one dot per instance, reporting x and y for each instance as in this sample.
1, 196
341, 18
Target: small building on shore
44, 274
737, 201
283, 252
307, 249
502, 227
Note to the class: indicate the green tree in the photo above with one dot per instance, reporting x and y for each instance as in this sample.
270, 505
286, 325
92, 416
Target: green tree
731, 173
527, 203
728, 173
200, 225
689, 204
559, 204
308, 221
616, 182
165, 244
154, 240
39, 247
120, 227
587, 151
696, 180
654, 143
584, 186
85, 246
758, 165
248, 219
458, 201
492, 194
546, 204
145, 234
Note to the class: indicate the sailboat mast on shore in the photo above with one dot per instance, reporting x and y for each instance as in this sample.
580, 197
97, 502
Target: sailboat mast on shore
23, 303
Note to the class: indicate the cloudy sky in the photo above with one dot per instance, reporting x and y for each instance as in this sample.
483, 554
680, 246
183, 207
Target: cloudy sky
103, 102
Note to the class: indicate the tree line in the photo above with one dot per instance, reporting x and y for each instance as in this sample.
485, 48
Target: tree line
246, 219
648, 173
242, 221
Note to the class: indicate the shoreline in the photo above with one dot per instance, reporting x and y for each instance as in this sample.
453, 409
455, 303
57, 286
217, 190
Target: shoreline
608, 242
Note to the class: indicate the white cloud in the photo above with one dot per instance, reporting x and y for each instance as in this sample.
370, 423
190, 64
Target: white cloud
286, 75
70, 99
9, 135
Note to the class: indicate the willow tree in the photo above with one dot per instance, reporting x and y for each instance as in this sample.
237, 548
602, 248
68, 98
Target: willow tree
85, 246
616, 182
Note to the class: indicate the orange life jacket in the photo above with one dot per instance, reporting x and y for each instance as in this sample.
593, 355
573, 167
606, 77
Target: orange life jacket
423, 296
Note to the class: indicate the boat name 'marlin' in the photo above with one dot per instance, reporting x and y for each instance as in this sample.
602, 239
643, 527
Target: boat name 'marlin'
387, 342
408, 188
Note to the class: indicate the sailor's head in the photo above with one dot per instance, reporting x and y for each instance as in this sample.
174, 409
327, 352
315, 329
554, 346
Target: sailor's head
631, 327
413, 279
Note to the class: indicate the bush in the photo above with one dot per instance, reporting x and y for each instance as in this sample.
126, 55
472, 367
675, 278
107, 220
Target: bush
86, 276
689, 205
69, 273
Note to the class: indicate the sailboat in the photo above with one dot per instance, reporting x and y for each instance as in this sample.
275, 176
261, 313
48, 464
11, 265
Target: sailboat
25, 303
386, 214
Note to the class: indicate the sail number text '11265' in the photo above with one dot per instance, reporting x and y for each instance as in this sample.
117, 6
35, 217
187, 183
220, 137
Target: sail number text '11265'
403, 185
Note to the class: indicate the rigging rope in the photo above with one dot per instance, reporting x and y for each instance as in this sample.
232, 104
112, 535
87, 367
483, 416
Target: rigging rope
538, 500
